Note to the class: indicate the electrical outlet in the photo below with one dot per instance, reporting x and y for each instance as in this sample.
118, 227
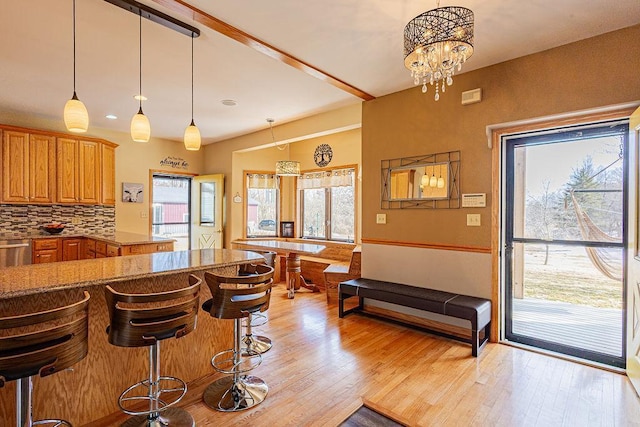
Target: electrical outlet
473, 220
144, 214
76, 221
381, 218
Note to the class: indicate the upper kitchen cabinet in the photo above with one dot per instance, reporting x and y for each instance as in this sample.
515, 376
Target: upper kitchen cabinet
28, 167
42, 167
108, 174
68, 170
82, 165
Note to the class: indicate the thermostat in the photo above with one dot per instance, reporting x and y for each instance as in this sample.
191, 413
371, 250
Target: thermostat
474, 200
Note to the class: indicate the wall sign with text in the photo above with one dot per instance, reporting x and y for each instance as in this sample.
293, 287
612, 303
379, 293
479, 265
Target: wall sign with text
174, 162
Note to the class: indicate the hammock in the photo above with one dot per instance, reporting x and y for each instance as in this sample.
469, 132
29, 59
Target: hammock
608, 264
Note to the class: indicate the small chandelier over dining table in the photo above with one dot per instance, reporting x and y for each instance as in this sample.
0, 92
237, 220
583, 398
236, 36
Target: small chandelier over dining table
436, 44
284, 167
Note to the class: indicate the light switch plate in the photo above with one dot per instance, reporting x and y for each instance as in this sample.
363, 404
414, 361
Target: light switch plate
381, 218
473, 220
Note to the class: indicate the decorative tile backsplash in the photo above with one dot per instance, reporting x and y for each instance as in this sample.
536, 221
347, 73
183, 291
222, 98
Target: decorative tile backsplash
18, 220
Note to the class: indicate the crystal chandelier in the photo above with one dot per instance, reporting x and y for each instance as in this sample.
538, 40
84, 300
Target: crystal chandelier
436, 44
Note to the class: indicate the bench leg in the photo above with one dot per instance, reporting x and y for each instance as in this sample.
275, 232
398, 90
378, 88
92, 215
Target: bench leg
341, 311
476, 344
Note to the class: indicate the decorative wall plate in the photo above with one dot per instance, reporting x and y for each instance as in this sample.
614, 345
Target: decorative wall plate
323, 155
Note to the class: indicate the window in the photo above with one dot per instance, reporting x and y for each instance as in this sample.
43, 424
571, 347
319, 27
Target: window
262, 205
328, 204
170, 206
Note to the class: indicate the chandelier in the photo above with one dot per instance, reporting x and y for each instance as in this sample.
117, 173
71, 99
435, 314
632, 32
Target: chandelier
436, 44
284, 167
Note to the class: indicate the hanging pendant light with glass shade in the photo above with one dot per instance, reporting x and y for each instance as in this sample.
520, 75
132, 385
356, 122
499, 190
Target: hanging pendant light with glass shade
76, 117
433, 181
284, 167
140, 126
192, 139
440, 179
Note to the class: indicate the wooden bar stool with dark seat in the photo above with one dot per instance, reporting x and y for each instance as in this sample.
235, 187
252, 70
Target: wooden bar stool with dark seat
258, 343
143, 320
41, 343
235, 297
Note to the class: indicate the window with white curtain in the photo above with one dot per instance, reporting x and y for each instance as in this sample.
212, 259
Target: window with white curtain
327, 200
262, 203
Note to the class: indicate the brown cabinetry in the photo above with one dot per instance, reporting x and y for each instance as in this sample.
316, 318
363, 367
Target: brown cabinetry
28, 167
79, 171
46, 250
89, 249
72, 249
108, 154
47, 167
147, 248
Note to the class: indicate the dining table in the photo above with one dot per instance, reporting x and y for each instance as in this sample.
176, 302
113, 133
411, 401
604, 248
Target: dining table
291, 252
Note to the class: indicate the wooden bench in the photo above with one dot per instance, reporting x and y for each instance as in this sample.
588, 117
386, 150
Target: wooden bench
475, 310
341, 272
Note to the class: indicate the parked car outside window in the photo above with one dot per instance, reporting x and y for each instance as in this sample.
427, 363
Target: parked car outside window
267, 224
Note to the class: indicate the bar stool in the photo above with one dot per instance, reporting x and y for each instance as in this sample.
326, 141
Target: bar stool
258, 343
234, 298
42, 343
143, 320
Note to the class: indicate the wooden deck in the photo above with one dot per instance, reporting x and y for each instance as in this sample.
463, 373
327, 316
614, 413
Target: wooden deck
321, 368
590, 328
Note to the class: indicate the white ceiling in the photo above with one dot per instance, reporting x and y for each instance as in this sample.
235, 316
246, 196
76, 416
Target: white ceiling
359, 42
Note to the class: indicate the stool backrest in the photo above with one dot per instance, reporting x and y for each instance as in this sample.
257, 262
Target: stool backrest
44, 342
139, 320
234, 297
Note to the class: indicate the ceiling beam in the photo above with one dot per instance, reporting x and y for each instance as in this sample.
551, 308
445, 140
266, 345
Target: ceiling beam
197, 15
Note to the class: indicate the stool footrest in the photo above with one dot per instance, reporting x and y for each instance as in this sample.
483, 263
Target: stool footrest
52, 423
225, 361
176, 385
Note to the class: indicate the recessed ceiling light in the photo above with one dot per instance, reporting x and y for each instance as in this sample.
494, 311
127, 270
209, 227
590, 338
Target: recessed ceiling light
111, 116
229, 102
139, 97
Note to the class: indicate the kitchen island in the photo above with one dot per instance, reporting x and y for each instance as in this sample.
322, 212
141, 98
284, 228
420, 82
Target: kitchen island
91, 390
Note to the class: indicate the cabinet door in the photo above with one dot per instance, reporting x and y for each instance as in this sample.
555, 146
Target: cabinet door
89, 172
45, 255
71, 249
67, 170
42, 168
15, 167
108, 175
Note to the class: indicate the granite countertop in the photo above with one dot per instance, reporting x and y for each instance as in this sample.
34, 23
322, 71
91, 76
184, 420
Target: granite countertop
56, 276
119, 238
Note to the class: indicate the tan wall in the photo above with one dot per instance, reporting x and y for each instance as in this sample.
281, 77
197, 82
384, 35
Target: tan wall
584, 75
346, 151
220, 157
133, 162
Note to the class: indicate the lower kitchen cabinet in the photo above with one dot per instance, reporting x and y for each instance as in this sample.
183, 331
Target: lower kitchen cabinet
46, 250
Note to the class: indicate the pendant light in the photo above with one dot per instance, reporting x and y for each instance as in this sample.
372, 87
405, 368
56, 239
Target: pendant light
284, 167
192, 140
440, 179
76, 117
140, 126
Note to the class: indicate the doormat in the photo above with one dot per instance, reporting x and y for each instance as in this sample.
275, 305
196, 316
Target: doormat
365, 416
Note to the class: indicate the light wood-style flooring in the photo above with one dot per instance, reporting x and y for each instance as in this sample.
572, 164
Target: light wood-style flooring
322, 367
